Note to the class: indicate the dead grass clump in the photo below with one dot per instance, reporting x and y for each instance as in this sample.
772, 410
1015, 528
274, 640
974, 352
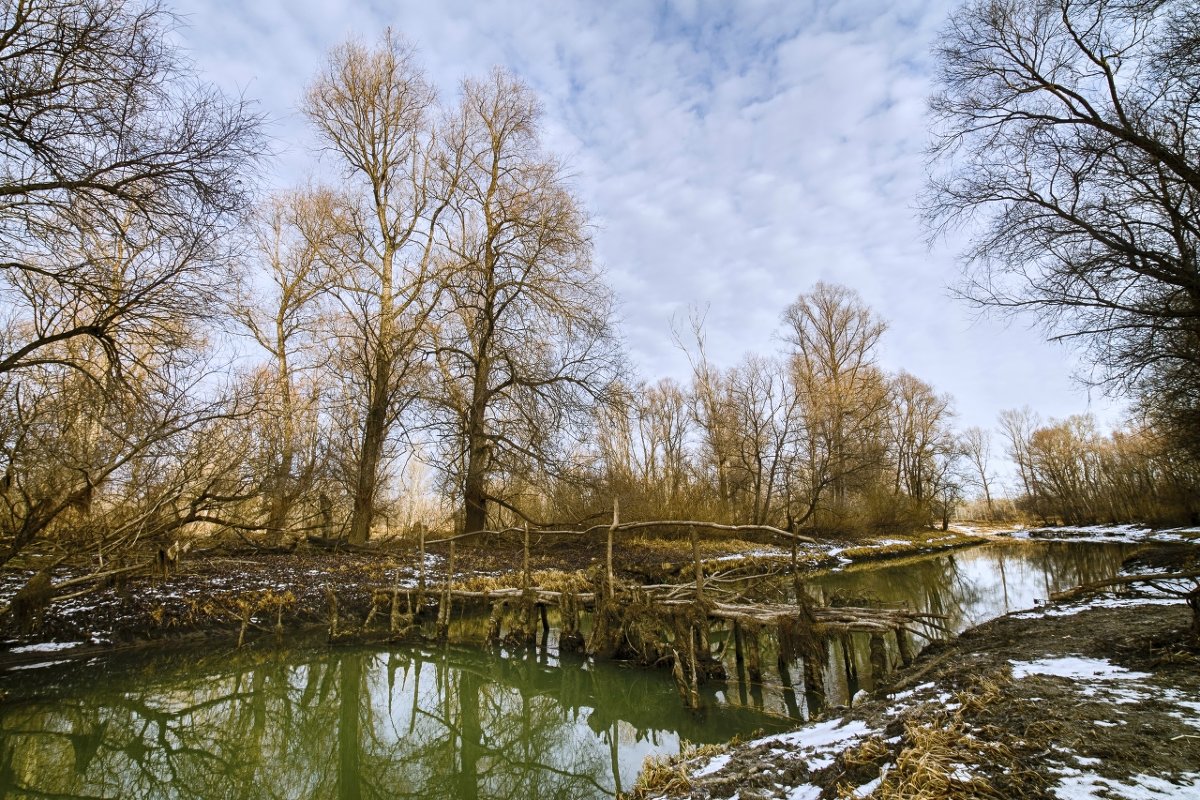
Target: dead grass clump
983, 692
660, 776
557, 580
551, 580
936, 764
680, 549
944, 757
871, 750
668, 775
859, 765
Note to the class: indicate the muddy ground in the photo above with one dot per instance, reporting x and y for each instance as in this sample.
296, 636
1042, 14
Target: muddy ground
209, 591
1079, 701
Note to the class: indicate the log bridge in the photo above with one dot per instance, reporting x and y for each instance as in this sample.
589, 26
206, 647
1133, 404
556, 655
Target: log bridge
672, 625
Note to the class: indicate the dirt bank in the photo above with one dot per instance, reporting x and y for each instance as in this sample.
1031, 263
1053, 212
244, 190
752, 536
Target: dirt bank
211, 593
1083, 701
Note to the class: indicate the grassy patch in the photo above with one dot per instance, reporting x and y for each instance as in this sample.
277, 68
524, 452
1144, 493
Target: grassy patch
912, 544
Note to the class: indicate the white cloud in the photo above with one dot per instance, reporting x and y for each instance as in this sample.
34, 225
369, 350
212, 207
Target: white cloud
731, 154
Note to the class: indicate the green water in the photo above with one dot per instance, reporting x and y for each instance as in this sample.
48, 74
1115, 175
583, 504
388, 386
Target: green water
416, 722
336, 723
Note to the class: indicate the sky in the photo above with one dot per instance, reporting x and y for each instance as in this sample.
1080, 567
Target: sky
731, 154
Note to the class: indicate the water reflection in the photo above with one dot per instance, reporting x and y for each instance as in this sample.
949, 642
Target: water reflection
457, 723
968, 587
972, 586
346, 724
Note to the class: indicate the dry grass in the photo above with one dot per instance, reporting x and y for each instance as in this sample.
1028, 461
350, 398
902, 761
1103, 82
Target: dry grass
936, 763
551, 580
912, 543
668, 775
944, 757
680, 548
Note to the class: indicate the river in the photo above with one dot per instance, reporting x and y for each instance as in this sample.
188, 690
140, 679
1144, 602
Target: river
452, 722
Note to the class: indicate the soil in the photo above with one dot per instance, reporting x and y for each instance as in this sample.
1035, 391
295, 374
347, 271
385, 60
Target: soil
211, 590
976, 717
958, 723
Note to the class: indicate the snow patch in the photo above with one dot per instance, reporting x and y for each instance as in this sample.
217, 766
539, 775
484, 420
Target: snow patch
819, 736
716, 764
1077, 785
866, 789
45, 647
751, 554
1074, 667
1102, 602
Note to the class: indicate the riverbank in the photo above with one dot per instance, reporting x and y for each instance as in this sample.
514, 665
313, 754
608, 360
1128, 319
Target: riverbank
231, 593
1089, 700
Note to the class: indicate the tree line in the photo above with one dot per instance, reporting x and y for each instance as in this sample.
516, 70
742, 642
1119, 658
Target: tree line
428, 340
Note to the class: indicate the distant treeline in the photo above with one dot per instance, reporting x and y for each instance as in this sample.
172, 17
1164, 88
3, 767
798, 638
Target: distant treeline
427, 342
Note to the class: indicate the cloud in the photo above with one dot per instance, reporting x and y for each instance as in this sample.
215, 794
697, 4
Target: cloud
731, 155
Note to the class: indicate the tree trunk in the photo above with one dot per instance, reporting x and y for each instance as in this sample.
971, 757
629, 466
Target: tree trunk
367, 476
281, 488
379, 399
478, 452
375, 429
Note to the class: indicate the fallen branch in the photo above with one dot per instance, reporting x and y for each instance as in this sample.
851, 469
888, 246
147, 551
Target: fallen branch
1127, 580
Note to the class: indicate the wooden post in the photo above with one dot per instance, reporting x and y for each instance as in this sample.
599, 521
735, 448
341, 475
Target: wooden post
246, 609
904, 646
795, 555
814, 684
680, 679
443, 626
694, 698
849, 665
525, 563
699, 567
495, 623
739, 655
879, 660
545, 624
569, 638
333, 612
753, 656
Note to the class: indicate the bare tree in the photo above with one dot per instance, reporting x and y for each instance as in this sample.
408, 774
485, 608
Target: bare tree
764, 414
920, 437
121, 178
373, 111
712, 411
283, 314
105, 134
643, 440
525, 342
1066, 133
977, 449
1018, 426
843, 395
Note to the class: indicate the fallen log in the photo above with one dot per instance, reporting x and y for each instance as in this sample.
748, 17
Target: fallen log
1127, 580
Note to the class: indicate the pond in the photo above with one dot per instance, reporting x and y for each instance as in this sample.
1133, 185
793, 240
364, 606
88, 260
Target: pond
412, 721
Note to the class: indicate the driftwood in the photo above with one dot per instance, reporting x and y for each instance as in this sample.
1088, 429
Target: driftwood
623, 527
1129, 580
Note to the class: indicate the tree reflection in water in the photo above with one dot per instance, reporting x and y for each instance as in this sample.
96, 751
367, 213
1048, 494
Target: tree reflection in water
349, 724
966, 586
970, 586
454, 723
